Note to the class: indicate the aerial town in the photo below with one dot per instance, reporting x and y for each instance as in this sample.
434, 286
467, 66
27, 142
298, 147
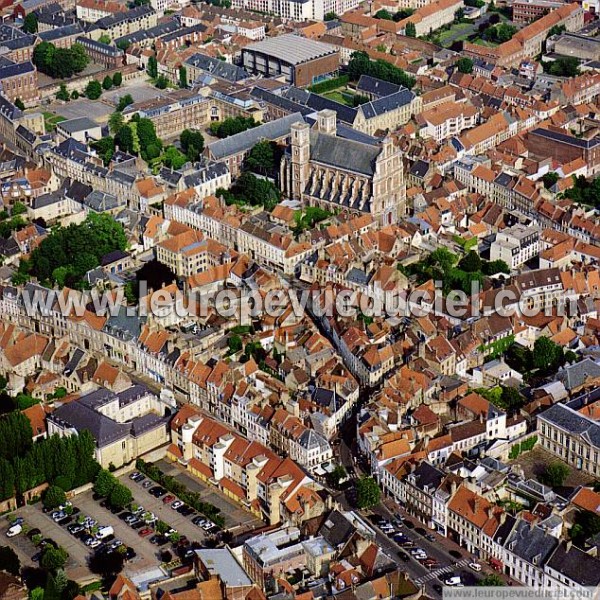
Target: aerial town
299, 299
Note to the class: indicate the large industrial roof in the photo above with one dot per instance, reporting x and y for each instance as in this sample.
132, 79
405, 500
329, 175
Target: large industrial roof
292, 48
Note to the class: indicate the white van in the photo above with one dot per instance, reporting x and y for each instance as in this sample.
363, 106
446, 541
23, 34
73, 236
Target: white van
104, 532
454, 580
14, 530
475, 566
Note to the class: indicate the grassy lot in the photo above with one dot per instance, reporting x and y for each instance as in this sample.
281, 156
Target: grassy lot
458, 31
485, 43
342, 95
51, 120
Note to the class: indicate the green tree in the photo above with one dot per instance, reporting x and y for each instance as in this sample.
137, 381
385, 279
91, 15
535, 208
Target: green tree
368, 493
550, 179
173, 158
105, 39
511, 399
336, 476
410, 30
117, 79
107, 82
30, 23
161, 82
192, 143
54, 558
18, 208
554, 474
261, 158
10, 561
54, 496
471, 263
60, 62
235, 344
183, 80
93, 90
492, 579
120, 496
105, 147
115, 122
547, 354
105, 482
124, 139
152, 67
124, 102
19, 103
565, 66
63, 93
361, 64
123, 44
146, 134
330, 16
465, 65
383, 14
74, 95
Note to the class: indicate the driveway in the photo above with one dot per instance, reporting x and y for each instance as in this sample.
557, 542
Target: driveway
234, 514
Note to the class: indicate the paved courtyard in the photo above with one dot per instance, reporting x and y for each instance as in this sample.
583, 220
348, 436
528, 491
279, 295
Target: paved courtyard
98, 110
234, 514
139, 90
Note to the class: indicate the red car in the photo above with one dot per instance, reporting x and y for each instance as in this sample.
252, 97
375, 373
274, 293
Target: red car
144, 532
168, 499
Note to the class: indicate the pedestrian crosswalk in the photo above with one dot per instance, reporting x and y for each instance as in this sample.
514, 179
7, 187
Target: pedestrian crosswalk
442, 571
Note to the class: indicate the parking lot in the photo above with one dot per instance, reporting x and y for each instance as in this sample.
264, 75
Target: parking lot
97, 110
140, 91
234, 514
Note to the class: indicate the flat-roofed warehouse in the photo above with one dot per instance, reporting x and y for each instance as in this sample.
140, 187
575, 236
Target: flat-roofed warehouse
302, 61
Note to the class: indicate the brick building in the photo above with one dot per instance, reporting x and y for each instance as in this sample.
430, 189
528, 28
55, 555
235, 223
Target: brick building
301, 61
20, 80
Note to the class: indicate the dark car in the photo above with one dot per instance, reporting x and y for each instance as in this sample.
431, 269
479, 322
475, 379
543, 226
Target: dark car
138, 524
430, 537
403, 556
156, 539
130, 553
48, 542
65, 520
420, 531
36, 557
115, 510
409, 524
33, 532
86, 538
125, 514
455, 554
185, 510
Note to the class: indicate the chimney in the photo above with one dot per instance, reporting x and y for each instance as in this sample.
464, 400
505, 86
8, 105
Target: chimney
453, 487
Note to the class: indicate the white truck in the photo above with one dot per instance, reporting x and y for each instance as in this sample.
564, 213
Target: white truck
104, 532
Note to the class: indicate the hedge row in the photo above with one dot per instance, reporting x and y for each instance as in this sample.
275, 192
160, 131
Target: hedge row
330, 84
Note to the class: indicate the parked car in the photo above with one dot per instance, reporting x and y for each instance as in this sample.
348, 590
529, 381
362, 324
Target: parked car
18, 521
95, 543
104, 532
14, 530
124, 515
176, 504
455, 554
33, 532
138, 525
403, 556
168, 498
420, 531
75, 528
475, 566
57, 515
130, 553
186, 511
65, 520
145, 532
430, 537
136, 476
130, 518
453, 581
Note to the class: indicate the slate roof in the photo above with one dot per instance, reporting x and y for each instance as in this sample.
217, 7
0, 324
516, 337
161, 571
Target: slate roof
567, 139
152, 33
240, 142
135, 13
342, 153
427, 476
78, 124
101, 201
376, 87
16, 69
337, 529
217, 68
9, 110
576, 564
574, 376
532, 544
386, 104
573, 422
60, 32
